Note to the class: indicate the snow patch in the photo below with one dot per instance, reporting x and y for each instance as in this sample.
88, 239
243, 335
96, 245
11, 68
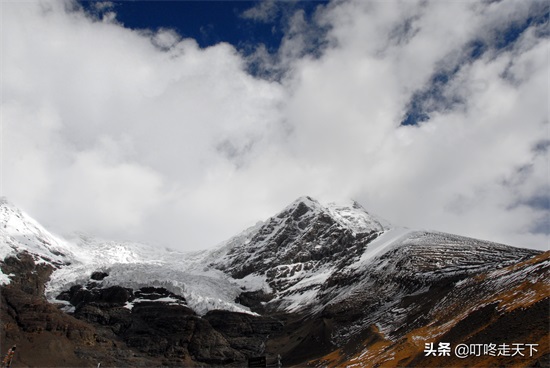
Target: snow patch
381, 245
19, 232
5, 279
355, 218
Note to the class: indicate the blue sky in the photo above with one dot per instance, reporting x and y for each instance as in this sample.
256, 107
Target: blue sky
182, 123
210, 22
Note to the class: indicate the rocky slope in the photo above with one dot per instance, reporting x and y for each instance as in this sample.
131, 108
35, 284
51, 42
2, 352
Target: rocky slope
318, 284
508, 307
296, 251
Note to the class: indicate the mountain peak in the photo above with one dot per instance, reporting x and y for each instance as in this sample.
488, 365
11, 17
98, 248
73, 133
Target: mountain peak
306, 200
301, 205
349, 214
306, 234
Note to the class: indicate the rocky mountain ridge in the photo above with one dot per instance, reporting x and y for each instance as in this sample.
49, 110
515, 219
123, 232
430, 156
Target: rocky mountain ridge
311, 281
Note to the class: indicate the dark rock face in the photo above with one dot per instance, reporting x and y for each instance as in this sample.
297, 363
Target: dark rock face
98, 275
109, 297
28, 276
254, 300
244, 332
304, 237
170, 329
209, 346
43, 333
118, 326
23, 303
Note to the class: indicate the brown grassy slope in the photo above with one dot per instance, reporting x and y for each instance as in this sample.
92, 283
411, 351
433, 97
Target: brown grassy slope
510, 305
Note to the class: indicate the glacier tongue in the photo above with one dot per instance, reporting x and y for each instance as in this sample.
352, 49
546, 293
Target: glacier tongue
137, 265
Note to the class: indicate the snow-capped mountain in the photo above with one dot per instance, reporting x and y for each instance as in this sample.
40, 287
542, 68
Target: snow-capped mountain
19, 232
295, 251
299, 248
313, 256
338, 270
130, 265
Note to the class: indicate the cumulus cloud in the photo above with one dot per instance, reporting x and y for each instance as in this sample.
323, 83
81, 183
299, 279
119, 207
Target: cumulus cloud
103, 126
143, 135
448, 172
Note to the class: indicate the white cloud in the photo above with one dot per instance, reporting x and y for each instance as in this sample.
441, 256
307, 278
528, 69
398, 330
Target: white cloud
103, 125
145, 136
264, 11
448, 173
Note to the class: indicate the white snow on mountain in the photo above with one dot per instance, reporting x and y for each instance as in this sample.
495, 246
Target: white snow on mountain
355, 218
137, 265
128, 264
296, 273
19, 232
391, 237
